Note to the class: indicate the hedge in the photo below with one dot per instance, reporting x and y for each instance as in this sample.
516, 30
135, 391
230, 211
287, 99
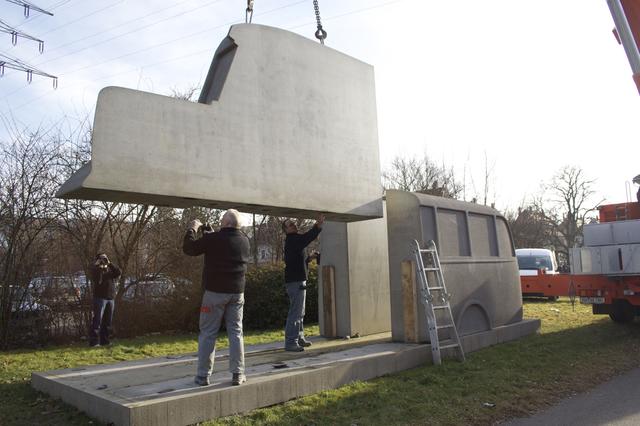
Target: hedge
266, 305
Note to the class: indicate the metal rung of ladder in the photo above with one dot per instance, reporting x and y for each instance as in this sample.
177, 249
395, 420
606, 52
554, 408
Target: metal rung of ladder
433, 262
453, 345
440, 327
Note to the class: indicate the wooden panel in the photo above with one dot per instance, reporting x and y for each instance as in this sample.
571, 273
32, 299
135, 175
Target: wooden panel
329, 301
409, 302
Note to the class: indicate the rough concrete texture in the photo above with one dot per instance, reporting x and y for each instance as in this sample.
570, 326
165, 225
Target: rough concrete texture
358, 252
477, 257
287, 127
161, 392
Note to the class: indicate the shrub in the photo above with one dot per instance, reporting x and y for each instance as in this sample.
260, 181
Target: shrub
266, 305
266, 300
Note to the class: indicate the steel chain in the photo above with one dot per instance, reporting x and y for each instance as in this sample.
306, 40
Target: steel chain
320, 34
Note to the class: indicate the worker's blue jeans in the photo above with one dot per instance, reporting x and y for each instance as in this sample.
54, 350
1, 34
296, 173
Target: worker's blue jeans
216, 307
294, 329
101, 324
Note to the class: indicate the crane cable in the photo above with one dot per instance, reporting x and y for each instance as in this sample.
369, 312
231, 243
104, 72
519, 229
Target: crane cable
320, 34
248, 13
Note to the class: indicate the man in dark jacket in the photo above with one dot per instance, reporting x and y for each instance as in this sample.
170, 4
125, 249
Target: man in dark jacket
226, 254
103, 274
295, 278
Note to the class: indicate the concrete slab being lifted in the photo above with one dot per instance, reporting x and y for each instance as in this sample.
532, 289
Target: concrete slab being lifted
160, 391
285, 126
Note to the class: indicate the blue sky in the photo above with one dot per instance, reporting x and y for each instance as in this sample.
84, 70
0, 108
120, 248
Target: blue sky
530, 86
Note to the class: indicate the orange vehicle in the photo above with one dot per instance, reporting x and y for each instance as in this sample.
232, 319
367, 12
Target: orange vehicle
539, 276
547, 285
605, 272
607, 268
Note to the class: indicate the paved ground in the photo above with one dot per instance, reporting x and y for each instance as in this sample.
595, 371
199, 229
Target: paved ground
616, 402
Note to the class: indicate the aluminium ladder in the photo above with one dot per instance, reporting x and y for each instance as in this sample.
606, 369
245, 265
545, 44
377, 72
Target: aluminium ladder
436, 299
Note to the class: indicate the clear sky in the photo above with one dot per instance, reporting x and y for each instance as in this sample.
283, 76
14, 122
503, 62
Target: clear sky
529, 85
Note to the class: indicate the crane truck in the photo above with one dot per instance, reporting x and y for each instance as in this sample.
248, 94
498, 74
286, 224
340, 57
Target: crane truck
606, 269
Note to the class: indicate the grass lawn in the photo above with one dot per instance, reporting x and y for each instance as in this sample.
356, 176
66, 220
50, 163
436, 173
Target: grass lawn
574, 351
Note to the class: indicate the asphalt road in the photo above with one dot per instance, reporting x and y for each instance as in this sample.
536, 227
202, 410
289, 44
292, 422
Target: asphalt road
616, 402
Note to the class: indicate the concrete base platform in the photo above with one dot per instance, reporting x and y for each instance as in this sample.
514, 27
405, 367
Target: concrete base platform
161, 391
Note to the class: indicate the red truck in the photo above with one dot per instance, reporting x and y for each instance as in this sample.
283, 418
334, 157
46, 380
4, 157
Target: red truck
606, 270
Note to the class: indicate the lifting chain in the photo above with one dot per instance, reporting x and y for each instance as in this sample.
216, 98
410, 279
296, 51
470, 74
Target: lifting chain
248, 13
321, 34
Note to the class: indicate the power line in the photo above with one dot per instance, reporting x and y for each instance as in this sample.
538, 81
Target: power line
128, 32
353, 12
180, 38
14, 63
6, 28
152, 47
85, 38
54, 7
81, 18
28, 6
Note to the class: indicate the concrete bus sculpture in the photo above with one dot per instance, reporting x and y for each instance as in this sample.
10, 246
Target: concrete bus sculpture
477, 257
287, 127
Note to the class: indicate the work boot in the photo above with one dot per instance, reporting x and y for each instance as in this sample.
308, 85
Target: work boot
295, 348
304, 343
238, 379
201, 381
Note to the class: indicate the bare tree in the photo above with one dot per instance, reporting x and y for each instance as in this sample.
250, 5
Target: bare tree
570, 205
530, 227
29, 175
421, 175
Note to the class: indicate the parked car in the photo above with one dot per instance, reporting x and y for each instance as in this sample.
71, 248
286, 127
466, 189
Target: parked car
531, 260
51, 290
149, 288
28, 317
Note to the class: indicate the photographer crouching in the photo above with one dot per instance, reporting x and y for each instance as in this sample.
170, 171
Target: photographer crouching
103, 274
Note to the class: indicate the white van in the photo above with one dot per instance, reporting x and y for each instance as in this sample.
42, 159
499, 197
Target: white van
530, 260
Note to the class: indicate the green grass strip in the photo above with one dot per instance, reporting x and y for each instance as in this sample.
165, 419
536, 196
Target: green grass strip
574, 351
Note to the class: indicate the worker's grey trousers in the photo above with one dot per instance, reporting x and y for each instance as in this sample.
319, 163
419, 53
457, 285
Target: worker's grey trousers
215, 307
294, 328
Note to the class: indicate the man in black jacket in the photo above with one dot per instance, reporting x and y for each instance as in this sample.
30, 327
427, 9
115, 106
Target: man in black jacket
103, 274
295, 278
226, 254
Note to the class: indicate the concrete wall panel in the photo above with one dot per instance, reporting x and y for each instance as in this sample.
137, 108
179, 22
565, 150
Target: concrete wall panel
290, 130
358, 253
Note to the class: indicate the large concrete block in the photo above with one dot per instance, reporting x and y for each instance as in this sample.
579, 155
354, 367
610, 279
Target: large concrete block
286, 126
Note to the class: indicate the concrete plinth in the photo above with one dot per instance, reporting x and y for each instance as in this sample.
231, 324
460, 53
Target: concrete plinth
161, 391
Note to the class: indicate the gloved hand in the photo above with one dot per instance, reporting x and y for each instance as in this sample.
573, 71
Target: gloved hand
194, 225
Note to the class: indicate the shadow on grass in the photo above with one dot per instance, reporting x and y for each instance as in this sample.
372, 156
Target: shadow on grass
22, 405
509, 380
